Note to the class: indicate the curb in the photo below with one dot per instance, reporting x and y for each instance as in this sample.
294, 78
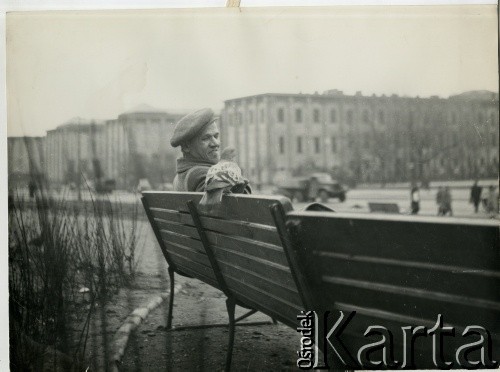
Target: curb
135, 318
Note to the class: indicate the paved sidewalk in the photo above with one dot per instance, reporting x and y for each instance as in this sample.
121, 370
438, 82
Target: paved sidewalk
152, 348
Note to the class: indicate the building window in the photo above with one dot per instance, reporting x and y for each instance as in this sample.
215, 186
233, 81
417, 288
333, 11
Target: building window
261, 115
441, 139
281, 145
281, 115
453, 118
298, 116
299, 145
397, 115
381, 117
349, 117
366, 116
240, 118
334, 145
250, 117
156, 120
316, 115
333, 116
316, 145
411, 119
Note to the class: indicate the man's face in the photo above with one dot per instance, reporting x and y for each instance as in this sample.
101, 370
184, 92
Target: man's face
205, 145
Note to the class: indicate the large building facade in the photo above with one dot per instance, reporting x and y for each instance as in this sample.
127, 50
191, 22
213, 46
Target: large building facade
134, 146
74, 149
138, 146
365, 138
354, 137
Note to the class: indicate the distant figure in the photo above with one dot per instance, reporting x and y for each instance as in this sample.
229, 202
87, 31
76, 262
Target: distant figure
440, 201
492, 201
313, 189
223, 178
475, 196
32, 188
447, 202
415, 200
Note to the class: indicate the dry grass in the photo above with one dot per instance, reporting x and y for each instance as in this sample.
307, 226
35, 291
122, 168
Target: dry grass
61, 255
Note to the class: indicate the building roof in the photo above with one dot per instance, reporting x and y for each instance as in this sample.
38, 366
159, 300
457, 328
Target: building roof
477, 95
77, 123
143, 108
22, 138
328, 94
76, 120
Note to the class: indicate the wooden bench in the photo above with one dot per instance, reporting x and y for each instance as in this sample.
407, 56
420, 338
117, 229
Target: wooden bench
235, 248
399, 271
392, 271
383, 207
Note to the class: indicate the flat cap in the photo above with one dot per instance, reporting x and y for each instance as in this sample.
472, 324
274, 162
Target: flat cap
190, 125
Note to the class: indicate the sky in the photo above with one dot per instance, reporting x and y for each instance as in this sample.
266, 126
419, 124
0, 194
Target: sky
97, 65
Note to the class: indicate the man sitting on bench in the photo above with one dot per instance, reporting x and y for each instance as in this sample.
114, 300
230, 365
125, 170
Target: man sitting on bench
198, 135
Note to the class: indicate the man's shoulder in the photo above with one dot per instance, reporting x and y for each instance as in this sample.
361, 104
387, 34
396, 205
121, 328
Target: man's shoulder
196, 177
197, 170
191, 173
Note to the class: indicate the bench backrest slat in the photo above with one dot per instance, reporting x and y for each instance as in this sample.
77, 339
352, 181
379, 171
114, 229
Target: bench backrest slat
178, 236
260, 232
248, 251
233, 209
397, 271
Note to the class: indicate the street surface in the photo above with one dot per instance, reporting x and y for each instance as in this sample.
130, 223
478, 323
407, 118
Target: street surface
358, 199
356, 202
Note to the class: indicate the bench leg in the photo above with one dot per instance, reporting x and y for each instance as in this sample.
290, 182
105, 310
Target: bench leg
171, 274
230, 305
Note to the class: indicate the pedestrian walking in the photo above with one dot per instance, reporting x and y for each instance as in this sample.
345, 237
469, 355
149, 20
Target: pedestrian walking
475, 195
447, 200
492, 201
415, 200
32, 188
440, 200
